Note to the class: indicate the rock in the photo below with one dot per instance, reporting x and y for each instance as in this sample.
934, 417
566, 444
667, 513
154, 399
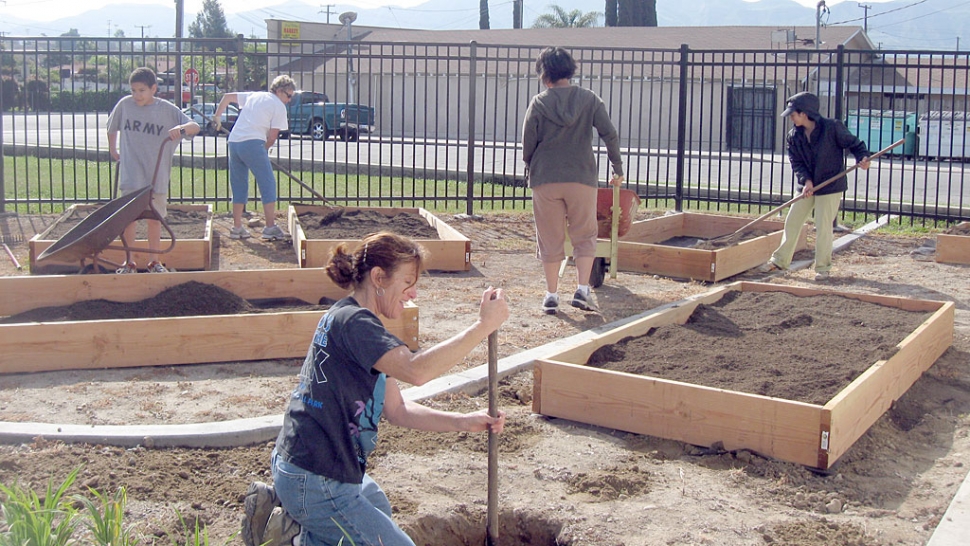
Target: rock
834, 506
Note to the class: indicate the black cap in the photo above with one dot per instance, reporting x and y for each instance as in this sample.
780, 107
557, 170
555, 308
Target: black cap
804, 102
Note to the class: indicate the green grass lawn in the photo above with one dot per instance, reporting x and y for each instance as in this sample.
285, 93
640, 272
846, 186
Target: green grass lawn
33, 185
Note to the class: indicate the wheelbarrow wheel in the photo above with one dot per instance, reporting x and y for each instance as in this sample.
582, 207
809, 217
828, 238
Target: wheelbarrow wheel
598, 274
92, 269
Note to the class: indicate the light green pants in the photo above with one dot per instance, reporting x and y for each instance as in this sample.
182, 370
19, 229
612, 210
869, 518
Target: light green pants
825, 207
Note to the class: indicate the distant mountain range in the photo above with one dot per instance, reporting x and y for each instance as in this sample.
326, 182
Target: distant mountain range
901, 24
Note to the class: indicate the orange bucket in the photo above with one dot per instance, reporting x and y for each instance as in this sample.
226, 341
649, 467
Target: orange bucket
629, 201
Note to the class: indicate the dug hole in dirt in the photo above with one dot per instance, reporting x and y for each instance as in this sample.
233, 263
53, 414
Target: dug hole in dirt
561, 482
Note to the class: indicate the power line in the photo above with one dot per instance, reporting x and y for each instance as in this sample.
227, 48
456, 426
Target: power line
924, 15
881, 13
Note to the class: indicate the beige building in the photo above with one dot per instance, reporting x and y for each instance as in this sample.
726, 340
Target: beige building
421, 82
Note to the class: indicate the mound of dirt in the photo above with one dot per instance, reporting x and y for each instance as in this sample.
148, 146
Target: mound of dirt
182, 300
340, 223
804, 349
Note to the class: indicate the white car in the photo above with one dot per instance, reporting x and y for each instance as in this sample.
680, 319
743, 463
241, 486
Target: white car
201, 113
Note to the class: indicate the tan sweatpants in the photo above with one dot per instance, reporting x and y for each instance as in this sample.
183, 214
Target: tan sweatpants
825, 207
563, 206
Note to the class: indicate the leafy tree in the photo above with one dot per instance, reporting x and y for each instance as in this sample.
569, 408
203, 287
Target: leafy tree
634, 13
483, 14
610, 20
211, 23
559, 18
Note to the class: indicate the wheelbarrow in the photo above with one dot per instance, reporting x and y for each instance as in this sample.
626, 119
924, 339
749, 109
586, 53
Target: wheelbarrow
615, 209
94, 234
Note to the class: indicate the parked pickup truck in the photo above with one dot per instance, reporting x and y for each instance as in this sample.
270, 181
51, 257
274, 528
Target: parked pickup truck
313, 114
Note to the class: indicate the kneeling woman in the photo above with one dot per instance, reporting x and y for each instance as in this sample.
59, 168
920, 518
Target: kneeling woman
348, 382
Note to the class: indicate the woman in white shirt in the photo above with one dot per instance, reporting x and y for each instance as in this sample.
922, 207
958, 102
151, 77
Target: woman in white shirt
262, 116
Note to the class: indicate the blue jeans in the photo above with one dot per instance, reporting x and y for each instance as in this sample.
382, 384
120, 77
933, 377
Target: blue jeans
330, 510
251, 155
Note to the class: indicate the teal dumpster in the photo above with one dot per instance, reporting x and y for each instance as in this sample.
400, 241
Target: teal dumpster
880, 128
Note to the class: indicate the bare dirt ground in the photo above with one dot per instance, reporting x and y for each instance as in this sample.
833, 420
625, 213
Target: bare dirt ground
561, 482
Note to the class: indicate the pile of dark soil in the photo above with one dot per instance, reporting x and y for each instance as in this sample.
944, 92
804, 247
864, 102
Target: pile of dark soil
340, 223
182, 300
804, 349
959, 229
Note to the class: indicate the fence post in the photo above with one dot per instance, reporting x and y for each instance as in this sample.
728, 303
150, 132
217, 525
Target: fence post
3, 184
470, 146
839, 81
681, 130
240, 61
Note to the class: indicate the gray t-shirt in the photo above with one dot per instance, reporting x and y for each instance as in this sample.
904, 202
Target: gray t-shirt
142, 130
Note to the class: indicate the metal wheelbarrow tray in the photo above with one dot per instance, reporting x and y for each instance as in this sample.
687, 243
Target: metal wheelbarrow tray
615, 209
93, 236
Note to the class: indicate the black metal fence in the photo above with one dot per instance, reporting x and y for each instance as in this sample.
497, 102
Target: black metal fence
699, 128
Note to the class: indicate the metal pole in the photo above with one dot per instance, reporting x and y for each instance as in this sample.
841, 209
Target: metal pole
681, 130
865, 17
470, 145
179, 18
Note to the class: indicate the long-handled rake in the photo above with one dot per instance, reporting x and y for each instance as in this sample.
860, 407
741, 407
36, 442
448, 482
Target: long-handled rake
728, 240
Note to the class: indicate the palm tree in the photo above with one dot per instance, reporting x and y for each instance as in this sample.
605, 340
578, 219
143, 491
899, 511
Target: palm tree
559, 18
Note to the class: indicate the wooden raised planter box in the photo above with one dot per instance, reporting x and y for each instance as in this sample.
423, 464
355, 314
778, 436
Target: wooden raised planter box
952, 248
639, 249
187, 255
35, 347
798, 432
452, 252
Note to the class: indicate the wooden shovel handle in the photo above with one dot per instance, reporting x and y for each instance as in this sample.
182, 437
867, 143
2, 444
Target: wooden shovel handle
775, 210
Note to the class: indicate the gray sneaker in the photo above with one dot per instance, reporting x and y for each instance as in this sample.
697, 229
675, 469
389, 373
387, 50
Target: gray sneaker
550, 304
584, 301
239, 233
273, 233
281, 529
258, 505
822, 276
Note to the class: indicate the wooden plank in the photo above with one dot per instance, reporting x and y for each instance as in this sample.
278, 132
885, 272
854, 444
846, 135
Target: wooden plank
187, 255
564, 387
953, 249
655, 230
679, 411
863, 402
745, 255
169, 341
452, 252
668, 261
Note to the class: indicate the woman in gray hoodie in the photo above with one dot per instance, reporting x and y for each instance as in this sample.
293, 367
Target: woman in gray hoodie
557, 146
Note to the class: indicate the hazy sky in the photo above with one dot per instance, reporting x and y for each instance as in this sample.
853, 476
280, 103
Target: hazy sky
48, 10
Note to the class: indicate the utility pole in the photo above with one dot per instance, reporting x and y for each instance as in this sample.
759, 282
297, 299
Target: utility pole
865, 18
143, 27
819, 10
177, 77
516, 13
329, 12
109, 29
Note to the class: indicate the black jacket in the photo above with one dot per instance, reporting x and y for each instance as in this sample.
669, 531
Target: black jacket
824, 156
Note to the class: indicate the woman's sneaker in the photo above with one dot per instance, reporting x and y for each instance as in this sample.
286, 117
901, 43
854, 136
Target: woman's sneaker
127, 269
550, 304
239, 233
258, 505
273, 233
156, 267
584, 301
